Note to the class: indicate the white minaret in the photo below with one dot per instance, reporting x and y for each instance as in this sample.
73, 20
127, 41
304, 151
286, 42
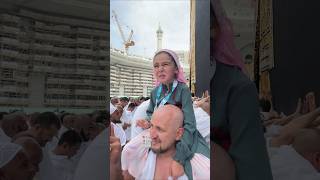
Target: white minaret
159, 38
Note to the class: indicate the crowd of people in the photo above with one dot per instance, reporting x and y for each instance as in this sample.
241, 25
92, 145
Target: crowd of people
166, 136
47, 145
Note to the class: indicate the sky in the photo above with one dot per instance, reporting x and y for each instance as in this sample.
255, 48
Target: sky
143, 17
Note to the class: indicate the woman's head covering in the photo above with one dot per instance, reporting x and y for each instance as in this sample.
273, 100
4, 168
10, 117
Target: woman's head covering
180, 76
7, 152
224, 49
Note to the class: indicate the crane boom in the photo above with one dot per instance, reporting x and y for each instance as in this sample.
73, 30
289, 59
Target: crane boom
130, 36
119, 27
128, 42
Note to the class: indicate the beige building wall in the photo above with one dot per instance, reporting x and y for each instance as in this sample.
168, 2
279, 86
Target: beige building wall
48, 60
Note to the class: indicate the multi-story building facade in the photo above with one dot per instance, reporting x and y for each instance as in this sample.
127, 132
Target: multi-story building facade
52, 61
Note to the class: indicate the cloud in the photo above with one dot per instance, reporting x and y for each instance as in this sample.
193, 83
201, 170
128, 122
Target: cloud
143, 17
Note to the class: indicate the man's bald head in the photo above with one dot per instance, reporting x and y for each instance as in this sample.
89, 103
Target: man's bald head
166, 128
172, 114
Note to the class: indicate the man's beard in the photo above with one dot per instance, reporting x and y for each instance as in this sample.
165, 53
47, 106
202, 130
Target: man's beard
159, 151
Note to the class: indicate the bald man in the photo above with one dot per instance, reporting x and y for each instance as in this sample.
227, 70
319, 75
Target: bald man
142, 162
32, 149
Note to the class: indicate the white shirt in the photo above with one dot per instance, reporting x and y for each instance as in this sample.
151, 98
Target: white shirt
119, 133
94, 161
140, 163
202, 123
46, 169
126, 118
64, 166
140, 113
55, 140
76, 158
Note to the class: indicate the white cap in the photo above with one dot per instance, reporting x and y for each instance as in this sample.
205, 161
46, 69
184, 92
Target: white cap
112, 108
7, 152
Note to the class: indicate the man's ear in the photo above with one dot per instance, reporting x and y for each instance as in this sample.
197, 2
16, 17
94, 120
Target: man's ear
179, 134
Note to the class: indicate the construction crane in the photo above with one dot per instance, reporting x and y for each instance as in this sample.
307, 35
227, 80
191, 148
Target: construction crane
126, 42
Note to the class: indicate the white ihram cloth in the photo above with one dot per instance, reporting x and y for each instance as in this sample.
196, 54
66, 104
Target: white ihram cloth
202, 122
63, 165
46, 169
3, 137
7, 152
119, 133
126, 118
140, 113
286, 163
136, 159
93, 163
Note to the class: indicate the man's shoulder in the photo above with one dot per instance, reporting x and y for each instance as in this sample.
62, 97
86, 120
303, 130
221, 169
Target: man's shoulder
23, 134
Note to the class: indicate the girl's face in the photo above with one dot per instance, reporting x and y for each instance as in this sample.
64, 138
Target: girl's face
164, 68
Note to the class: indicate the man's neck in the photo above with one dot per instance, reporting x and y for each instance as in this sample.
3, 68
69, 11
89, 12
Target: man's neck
163, 164
168, 154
